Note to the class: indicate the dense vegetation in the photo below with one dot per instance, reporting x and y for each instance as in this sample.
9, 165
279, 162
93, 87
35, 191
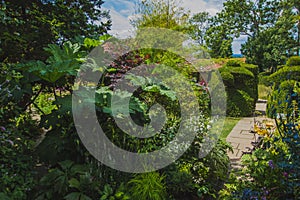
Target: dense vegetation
45, 43
241, 82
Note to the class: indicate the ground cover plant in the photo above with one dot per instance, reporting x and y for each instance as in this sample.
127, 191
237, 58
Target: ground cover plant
43, 157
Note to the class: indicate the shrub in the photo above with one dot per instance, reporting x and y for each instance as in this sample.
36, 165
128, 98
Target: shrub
293, 61
283, 83
242, 89
263, 79
148, 186
227, 78
273, 172
239, 103
285, 73
16, 176
233, 63
252, 68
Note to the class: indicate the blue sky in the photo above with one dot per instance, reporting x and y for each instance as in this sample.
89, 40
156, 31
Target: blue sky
122, 11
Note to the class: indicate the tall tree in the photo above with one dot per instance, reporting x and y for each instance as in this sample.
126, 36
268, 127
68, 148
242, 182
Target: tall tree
269, 25
162, 14
28, 26
292, 8
200, 24
219, 38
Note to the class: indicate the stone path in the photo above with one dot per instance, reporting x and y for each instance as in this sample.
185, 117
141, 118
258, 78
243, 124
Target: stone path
241, 137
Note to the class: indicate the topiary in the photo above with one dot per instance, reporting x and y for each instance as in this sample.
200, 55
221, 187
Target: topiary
293, 61
241, 85
233, 63
240, 103
227, 78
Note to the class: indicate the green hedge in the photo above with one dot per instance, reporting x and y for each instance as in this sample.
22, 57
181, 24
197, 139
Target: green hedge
264, 78
241, 87
293, 61
285, 73
233, 63
283, 83
239, 103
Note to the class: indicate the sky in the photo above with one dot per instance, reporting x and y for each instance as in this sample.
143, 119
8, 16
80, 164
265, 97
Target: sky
121, 11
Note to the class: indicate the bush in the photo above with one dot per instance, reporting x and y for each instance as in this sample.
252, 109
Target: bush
285, 73
279, 95
273, 171
263, 79
293, 61
239, 103
242, 89
227, 78
283, 83
16, 176
233, 63
148, 186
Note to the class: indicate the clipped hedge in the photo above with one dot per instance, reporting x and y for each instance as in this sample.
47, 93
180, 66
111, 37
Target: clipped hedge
239, 103
234, 63
241, 87
285, 73
283, 83
264, 78
293, 61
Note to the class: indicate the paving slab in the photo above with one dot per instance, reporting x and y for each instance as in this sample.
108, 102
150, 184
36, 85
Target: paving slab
241, 137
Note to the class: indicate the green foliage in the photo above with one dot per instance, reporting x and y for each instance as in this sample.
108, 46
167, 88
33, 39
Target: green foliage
16, 176
179, 181
200, 24
68, 181
162, 14
241, 83
218, 40
228, 78
28, 27
293, 61
73, 172
285, 73
233, 63
63, 61
283, 84
148, 186
264, 92
45, 103
270, 26
273, 172
263, 78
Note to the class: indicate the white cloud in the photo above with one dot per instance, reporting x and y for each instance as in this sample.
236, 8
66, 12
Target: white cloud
122, 11
121, 26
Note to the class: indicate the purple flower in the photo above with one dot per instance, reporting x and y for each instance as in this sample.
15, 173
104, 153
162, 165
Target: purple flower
2, 128
271, 164
285, 174
10, 142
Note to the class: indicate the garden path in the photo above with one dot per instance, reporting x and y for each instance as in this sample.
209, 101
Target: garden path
242, 135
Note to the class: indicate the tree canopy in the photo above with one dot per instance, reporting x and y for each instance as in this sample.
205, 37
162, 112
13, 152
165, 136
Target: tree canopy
28, 26
271, 26
162, 14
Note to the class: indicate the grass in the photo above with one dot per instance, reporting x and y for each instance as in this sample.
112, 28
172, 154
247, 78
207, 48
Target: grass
264, 91
230, 122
